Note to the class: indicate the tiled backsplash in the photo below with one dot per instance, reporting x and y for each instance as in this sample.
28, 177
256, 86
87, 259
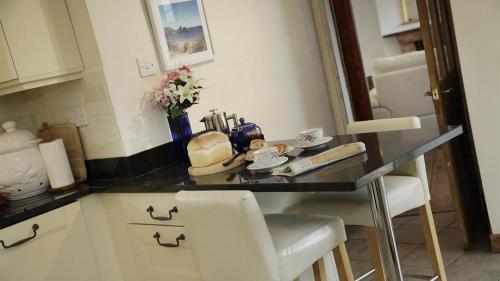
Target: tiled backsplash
100, 139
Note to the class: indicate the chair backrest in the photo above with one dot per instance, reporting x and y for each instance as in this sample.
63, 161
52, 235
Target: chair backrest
229, 235
383, 125
279, 202
401, 82
415, 168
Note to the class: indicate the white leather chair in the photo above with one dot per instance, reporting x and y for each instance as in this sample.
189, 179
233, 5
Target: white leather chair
407, 188
233, 241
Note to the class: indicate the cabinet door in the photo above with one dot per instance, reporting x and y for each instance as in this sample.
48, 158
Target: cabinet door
60, 251
7, 69
41, 38
158, 263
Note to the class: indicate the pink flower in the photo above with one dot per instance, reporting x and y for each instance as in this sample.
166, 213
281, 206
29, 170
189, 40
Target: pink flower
186, 68
171, 76
165, 101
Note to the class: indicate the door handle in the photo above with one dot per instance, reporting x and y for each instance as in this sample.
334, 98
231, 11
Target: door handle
434, 93
447, 91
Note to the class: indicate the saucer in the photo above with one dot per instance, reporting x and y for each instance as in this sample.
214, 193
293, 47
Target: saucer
324, 141
257, 168
249, 156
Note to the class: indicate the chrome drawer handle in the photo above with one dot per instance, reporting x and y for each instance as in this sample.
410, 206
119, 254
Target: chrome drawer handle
35, 227
150, 210
169, 245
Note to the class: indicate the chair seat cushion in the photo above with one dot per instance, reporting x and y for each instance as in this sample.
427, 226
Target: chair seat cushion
404, 193
300, 240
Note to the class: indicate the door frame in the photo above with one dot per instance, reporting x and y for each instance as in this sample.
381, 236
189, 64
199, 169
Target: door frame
351, 59
343, 20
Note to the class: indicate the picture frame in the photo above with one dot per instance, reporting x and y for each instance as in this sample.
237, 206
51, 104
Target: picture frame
181, 32
409, 11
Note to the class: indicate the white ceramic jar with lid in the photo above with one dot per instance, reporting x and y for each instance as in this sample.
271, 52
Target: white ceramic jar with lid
22, 172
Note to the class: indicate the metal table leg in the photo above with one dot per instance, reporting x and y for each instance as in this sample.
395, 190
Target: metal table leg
385, 233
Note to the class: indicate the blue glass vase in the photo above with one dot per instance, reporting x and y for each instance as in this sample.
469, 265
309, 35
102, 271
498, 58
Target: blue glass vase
181, 135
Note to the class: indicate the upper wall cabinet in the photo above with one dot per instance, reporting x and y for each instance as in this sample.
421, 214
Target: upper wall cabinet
39, 42
7, 69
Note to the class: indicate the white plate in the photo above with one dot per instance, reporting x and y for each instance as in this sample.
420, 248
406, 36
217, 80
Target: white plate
255, 167
324, 141
249, 157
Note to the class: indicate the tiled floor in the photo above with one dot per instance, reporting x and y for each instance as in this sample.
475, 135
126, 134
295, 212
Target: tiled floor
477, 264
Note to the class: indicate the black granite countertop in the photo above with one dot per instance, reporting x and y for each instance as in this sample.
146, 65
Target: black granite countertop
386, 151
17, 211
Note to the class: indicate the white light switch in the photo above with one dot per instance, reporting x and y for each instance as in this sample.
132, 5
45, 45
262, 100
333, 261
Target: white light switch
77, 116
147, 66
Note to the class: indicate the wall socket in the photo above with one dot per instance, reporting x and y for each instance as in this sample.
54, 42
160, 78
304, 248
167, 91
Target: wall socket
77, 116
147, 66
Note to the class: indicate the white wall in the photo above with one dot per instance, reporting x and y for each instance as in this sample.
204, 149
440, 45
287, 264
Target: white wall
391, 17
370, 39
267, 68
478, 40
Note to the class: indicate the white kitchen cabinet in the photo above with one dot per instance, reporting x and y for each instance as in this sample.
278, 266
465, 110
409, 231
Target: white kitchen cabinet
60, 251
42, 44
159, 263
123, 231
7, 68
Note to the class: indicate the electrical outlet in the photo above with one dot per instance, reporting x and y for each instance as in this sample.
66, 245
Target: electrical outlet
147, 66
77, 116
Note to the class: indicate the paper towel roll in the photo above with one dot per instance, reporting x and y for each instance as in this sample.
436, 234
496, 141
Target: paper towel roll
56, 163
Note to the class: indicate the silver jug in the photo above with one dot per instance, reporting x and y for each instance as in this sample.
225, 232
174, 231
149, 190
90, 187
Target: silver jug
218, 121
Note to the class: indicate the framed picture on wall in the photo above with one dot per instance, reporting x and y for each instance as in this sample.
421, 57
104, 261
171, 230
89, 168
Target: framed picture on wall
181, 32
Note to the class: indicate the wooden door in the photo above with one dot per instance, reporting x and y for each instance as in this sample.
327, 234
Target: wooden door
446, 91
351, 58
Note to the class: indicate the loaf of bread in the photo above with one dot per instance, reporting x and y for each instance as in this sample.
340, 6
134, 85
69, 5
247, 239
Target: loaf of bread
208, 149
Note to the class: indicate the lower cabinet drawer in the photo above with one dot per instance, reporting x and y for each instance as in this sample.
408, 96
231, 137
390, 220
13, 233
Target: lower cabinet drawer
159, 263
150, 208
47, 222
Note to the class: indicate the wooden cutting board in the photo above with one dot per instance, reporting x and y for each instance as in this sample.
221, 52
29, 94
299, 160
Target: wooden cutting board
68, 132
217, 168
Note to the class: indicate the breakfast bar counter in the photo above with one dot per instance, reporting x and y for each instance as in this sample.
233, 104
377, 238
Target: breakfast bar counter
385, 152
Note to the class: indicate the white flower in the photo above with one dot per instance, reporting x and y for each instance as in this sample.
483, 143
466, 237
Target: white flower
184, 75
185, 93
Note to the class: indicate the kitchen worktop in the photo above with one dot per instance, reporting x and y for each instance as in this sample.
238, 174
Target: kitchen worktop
385, 152
20, 210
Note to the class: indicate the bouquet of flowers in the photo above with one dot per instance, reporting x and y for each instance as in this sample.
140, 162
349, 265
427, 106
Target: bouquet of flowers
178, 91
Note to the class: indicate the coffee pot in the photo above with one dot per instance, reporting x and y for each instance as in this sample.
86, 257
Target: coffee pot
218, 121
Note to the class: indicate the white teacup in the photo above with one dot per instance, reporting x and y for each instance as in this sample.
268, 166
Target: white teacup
310, 137
266, 156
